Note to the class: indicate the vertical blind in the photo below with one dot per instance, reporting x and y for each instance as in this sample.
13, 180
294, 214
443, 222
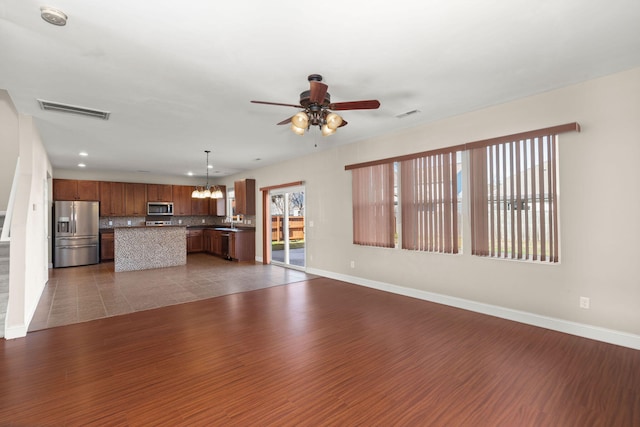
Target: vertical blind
429, 203
373, 206
513, 197
514, 204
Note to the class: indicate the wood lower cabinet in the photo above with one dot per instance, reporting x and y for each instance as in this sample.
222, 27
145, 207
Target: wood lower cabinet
107, 247
195, 241
242, 245
212, 242
72, 189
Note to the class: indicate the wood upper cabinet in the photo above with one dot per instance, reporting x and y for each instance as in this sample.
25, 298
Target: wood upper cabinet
72, 189
135, 199
245, 194
218, 207
160, 193
112, 199
199, 206
182, 200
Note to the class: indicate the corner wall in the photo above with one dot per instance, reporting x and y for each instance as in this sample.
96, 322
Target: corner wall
9, 147
29, 254
599, 206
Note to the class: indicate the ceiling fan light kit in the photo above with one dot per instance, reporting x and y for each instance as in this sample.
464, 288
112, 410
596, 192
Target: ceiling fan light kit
316, 109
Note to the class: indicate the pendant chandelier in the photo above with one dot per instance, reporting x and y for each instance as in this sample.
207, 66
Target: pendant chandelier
207, 192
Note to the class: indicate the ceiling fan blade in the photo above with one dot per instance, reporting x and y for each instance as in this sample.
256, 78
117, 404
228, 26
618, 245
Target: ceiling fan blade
277, 103
344, 123
371, 104
318, 92
285, 121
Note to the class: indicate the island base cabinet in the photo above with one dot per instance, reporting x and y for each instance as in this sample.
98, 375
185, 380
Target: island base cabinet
106, 247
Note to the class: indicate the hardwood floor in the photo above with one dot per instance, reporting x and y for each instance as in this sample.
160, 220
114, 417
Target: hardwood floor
314, 353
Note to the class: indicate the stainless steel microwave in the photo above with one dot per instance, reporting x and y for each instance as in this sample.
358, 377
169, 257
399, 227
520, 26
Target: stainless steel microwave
159, 208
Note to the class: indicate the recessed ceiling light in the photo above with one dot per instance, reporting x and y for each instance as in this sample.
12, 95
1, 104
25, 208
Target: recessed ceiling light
190, 173
53, 16
210, 166
83, 153
82, 165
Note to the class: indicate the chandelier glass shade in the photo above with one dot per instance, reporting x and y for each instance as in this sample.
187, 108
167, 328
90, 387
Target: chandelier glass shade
206, 191
327, 121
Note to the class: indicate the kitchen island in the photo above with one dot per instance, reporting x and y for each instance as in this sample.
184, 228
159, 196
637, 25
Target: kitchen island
143, 248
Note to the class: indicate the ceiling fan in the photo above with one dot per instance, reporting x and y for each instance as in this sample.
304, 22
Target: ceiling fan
316, 109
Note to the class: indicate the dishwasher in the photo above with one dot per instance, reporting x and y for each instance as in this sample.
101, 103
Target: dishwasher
226, 238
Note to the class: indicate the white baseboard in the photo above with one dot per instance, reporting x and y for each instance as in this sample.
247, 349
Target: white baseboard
579, 329
15, 332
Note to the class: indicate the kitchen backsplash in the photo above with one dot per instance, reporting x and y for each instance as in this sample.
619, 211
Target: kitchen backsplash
111, 222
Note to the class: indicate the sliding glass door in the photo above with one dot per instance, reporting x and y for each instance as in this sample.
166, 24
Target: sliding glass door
287, 226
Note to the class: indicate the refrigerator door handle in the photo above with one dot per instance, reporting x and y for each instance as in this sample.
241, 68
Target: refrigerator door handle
77, 246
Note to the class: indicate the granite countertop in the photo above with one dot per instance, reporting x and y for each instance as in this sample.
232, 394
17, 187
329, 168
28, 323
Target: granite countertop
110, 229
151, 226
190, 227
220, 227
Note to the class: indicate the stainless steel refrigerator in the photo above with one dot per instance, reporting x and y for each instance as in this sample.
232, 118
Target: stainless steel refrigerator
76, 233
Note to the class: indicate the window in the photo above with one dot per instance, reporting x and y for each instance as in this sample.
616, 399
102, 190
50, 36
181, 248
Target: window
514, 197
429, 198
373, 205
231, 203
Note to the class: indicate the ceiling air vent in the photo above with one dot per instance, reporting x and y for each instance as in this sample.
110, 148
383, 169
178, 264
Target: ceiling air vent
407, 114
72, 109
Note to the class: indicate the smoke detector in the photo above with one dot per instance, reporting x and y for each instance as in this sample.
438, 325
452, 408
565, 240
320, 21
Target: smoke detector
53, 16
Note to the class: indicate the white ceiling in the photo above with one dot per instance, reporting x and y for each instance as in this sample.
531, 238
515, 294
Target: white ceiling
177, 76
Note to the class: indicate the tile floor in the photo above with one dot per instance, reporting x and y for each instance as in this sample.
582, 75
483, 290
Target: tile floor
79, 294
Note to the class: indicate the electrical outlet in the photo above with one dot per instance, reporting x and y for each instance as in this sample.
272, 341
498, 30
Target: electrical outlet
310, 223
203, 220
110, 223
249, 222
128, 222
353, 264
179, 221
585, 302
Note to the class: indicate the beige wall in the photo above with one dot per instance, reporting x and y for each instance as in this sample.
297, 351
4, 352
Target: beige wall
8, 147
599, 202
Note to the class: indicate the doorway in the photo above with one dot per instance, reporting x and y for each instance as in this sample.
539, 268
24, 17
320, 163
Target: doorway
287, 210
